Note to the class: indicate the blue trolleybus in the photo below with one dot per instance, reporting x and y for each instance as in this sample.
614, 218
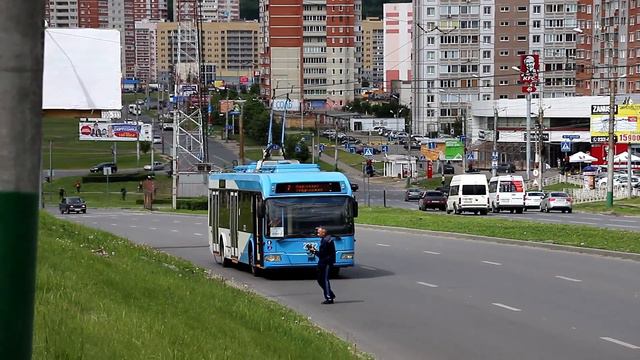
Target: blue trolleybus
265, 215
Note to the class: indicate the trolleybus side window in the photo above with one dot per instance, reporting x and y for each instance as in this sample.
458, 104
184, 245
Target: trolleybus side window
245, 220
224, 205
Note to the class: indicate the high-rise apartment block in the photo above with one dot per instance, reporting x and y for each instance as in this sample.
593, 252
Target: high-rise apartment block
373, 51
308, 50
210, 10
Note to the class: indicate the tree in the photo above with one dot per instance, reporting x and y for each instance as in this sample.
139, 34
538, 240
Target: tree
290, 145
256, 122
145, 146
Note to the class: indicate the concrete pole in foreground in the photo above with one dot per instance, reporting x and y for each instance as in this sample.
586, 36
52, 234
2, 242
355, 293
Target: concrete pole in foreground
21, 40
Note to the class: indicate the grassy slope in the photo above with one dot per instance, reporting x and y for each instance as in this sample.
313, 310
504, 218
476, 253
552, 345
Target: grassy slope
583, 236
561, 187
71, 153
140, 304
620, 207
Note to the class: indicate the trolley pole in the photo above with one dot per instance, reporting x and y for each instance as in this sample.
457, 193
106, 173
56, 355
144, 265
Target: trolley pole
21, 74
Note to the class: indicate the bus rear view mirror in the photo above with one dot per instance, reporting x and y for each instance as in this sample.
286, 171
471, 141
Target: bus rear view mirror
354, 205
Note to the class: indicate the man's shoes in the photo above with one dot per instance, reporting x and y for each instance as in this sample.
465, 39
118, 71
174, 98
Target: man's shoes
326, 302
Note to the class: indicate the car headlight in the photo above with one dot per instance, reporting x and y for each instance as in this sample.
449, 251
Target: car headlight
272, 258
347, 256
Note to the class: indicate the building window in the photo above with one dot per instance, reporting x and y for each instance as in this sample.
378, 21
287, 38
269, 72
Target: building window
486, 68
522, 8
504, 52
504, 82
522, 23
536, 38
522, 38
486, 24
504, 9
504, 23
536, 24
486, 54
503, 97
504, 38
431, 11
487, 10
537, 9
486, 39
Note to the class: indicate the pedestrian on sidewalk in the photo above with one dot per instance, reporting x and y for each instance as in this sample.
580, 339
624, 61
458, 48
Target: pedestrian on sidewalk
77, 185
62, 193
123, 192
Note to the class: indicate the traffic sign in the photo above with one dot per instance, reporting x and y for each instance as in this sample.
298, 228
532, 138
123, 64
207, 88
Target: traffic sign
106, 170
275, 147
470, 156
352, 150
494, 156
494, 164
565, 146
321, 147
463, 138
432, 145
571, 137
385, 148
368, 152
298, 148
422, 158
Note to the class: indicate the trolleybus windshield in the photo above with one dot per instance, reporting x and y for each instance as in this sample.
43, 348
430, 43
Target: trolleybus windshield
299, 216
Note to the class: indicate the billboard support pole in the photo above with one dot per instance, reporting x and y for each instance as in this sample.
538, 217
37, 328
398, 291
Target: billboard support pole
21, 73
612, 146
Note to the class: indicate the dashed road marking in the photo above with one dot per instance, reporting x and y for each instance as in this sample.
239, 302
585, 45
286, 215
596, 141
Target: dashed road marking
627, 221
174, 230
567, 278
431, 252
492, 263
152, 228
114, 224
619, 342
176, 221
368, 267
385, 245
197, 234
133, 226
506, 307
581, 222
198, 223
427, 284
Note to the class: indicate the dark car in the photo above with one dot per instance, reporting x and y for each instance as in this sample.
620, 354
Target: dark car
350, 139
99, 168
415, 145
433, 200
72, 203
354, 187
506, 168
412, 194
444, 190
448, 169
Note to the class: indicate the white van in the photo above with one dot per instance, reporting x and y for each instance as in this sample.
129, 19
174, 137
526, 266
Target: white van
135, 109
507, 193
468, 192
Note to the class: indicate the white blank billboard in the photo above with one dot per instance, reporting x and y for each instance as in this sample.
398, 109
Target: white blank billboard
81, 69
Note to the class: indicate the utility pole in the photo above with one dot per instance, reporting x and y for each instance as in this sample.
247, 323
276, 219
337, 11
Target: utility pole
528, 137
540, 146
335, 150
241, 130
612, 145
494, 169
21, 74
226, 116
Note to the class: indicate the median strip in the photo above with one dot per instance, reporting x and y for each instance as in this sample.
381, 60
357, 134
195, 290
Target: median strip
506, 307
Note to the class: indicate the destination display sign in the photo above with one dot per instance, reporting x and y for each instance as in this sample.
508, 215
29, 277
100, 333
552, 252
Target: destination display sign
308, 187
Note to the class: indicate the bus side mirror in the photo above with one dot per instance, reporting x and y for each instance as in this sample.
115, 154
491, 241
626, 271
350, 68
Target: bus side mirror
354, 205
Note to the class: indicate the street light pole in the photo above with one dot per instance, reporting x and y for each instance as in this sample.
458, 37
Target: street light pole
494, 169
528, 137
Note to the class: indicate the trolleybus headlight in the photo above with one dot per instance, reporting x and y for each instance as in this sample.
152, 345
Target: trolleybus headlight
347, 256
272, 258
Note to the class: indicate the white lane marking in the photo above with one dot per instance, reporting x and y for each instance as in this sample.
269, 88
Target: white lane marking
133, 226
627, 221
152, 228
567, 278
625, 226
581, 222
176, 221
506, 307
616, 341
174, 230
94, 222
385, 245
431, 252
368, 268
198, 223
427, 284
197, 234
492, 263
114, 224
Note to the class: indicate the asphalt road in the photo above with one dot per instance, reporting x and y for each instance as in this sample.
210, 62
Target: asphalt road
424, 296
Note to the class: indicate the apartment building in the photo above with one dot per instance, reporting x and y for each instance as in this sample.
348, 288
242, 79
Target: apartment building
373, 51
231, 48
308, 50
468, 50
210, 10
397, 47
116, 14
145, 50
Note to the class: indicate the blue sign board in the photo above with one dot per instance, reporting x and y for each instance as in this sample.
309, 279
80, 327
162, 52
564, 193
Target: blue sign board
298, 148
275, 147
571, 137
321, 147
462, 138
470, 156
494, 156
368, 152
565, 146
385, 148
352, 150
432, 145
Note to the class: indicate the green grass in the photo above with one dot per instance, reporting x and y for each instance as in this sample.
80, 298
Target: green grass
70, 153
353, 160
95, 194
100, 297
434, 182
561, 187
582, 236
620, 207
253, 154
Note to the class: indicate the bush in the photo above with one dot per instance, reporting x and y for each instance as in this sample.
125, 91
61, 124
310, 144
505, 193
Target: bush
98, 178
156, 201
200, 203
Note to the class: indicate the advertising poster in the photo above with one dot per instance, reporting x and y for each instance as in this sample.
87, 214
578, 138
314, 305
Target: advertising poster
102, 131
626, 123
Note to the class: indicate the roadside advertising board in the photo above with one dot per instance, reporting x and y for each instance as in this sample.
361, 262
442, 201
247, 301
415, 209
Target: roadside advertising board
626, 123
102, 131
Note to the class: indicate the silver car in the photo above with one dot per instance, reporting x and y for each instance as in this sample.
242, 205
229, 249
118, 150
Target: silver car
556, 200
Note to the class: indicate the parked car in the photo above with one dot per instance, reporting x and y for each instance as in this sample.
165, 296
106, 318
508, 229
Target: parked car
412, 194
433, 200
532, 200
506, 168
157, 139
72, 203
99, 168
157, 165
448, 169
328, 132
414, 145
349, 139
556, 201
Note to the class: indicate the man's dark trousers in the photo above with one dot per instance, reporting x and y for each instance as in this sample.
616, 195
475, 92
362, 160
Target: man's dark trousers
323, 280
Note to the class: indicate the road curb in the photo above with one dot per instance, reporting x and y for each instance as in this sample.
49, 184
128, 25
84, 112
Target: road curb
567, 248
